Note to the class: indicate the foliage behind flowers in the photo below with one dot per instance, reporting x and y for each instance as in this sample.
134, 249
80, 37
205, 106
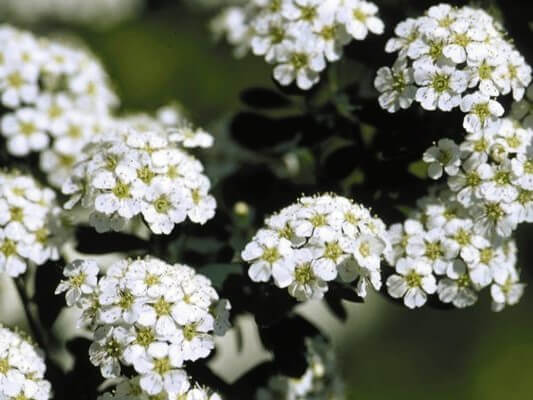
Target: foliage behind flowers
321, 193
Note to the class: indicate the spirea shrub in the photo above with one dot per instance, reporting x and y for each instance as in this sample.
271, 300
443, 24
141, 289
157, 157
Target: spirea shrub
149, 315
316, 240
129, 173
319, 189
32, 227
299, 37
453, 57
22, 369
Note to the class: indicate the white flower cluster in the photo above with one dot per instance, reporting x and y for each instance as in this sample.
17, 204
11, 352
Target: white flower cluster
320, 381
31, 227
149, 315
491, 174
139, 170
310, 243
22, 369
441, 249
453, 57
523, 109
130, 389
298, 37
55, 97
101, 13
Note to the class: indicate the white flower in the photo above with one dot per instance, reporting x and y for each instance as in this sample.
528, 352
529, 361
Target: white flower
506, 289
457, 287
300, 60
440, 87
266, 252
414, 281
359, 17
396, 86
22, 369
82, 279
25, 132
445, 155
481, 110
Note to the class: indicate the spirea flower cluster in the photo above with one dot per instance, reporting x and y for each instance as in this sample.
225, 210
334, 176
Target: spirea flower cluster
31, 225
22, 369
54, 98
101, 13
148, 315
138, 171
441, 249
130, 389
453, 57
320, 381
299, 37
314, 241
491, 175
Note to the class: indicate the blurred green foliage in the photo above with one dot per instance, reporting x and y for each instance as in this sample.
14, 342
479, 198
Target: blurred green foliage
428, 354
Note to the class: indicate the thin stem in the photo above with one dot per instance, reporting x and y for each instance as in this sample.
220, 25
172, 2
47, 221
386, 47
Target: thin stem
34, 327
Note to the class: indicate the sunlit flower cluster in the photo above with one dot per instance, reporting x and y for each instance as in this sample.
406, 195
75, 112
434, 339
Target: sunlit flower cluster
31, 225
138, 170
148, 315
55, 97
453, 57
442, 250
299, 37
314, 241
99, 13
491, 174
321, 380
22, 369
130, 389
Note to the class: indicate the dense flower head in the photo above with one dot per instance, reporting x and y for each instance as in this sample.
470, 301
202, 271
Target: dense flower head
299, 37
101, 13
22, 369
130, 389
32, 227
55, 97
491, 174
314, 241
440, 249
320, 381
148, 315
453, 57
139, 170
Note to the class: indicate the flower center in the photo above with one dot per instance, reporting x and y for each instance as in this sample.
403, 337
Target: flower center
17, 214
126, 300
145, 337
318, 220
413, 280
271, 255
435, 50
502, 178
333, 251
113, 348
463, 237
145, 174
299, 60
121, 190
8, 248
189, 332
461, 39
494, 211
162, 366
15, 80
473, 179
482, 111
433, 250
360, 15
485, 255
441, 83
78, 280
303, 274
162, 307
162, 205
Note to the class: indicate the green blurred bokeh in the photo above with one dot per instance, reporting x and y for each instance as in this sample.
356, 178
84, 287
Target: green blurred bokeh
428, 354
